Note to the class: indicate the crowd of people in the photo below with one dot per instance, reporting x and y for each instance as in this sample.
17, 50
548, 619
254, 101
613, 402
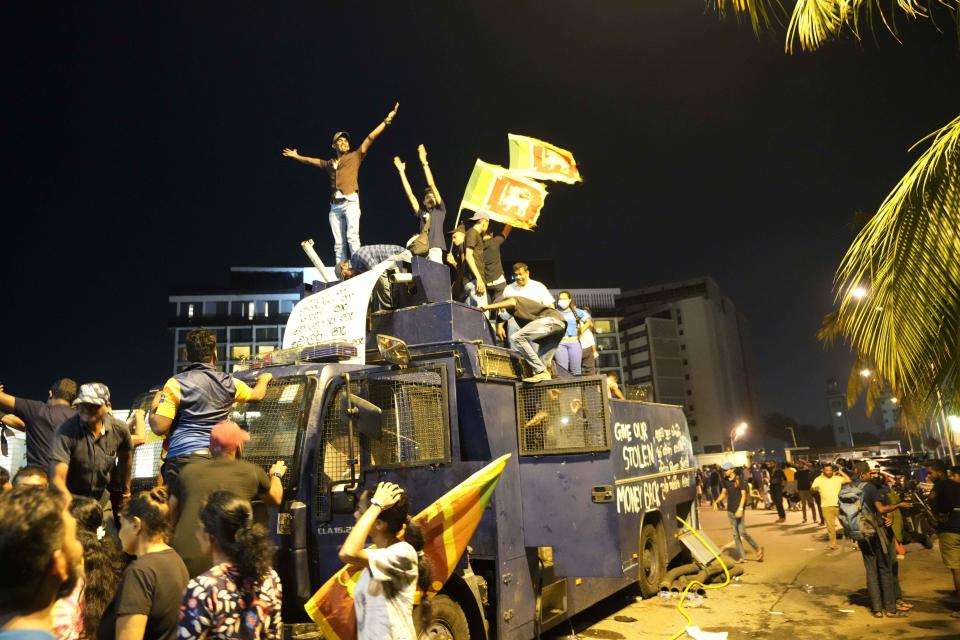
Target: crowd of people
867, 503
187, 558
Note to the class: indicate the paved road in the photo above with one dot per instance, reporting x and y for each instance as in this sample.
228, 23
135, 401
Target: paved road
769, 601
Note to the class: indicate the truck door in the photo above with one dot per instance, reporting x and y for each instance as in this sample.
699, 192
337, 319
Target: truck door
566, 476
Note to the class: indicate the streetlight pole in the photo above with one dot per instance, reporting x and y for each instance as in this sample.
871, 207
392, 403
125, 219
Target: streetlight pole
793, 434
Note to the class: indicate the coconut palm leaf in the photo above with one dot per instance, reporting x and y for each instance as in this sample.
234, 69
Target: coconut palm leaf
762, 14
908, 257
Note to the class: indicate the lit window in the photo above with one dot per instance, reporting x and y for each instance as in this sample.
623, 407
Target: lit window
240, 352
190, 310
250, 310
265, 348
839, 413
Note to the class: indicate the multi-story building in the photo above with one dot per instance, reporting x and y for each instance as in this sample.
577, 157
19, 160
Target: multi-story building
248, 316
689, 343
839, 420
887, 410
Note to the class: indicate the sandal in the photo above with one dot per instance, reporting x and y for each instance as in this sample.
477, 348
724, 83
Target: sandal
895, 614
760, 554
877, 614
903, 606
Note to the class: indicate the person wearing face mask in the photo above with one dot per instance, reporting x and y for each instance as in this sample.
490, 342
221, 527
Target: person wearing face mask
42, 560
570, 354
87, 448
147, 603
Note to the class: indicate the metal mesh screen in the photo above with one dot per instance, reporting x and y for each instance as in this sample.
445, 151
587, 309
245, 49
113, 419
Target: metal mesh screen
413, 403
562, 417
274, 423
415, 426
499, 364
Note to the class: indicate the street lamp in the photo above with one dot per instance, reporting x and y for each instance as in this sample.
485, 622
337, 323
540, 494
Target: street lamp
859, 292
865, 373
793, 434
735, 433
954, 422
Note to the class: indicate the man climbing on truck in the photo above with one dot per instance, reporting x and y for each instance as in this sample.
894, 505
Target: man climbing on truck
541, 329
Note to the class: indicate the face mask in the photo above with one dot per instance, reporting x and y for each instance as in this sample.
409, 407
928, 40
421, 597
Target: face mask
563, 304
503, 315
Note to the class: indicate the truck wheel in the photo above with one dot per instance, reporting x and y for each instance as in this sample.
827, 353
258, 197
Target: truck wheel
446, 622
653, 561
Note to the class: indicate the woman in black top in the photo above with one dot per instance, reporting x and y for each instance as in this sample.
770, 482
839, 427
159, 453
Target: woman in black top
147, 603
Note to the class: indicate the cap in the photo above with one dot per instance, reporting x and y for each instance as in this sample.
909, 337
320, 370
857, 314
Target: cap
727, 466
93, 393
338, 135
460, 228
227, 436
480, 215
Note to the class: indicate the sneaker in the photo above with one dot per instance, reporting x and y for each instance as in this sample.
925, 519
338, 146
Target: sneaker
538, 377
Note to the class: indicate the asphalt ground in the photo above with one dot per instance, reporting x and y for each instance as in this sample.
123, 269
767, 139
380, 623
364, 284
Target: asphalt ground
800, 590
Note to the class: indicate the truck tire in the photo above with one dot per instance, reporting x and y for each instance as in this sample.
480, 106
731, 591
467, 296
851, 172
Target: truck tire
652, 560
447, 621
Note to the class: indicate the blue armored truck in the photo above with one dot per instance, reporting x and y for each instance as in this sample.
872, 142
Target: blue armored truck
586, 506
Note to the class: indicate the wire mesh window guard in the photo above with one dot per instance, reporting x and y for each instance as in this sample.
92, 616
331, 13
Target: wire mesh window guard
565, 416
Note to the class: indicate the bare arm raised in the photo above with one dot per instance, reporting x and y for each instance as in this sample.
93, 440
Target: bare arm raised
317, 162
422, 152
365, 145
402, 170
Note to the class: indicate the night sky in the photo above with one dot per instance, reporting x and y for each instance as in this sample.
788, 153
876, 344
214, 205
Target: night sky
142, 152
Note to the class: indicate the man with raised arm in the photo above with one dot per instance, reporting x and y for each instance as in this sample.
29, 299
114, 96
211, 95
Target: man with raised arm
431, 211
344, 171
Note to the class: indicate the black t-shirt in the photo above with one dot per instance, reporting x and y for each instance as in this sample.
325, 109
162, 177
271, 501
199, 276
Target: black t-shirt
872, 494
437, 216
42, 420
152, 585
777, 477
947, 502
473, 240
734, 494
528, 310
90, 460
803, 479
492, 266
193, 485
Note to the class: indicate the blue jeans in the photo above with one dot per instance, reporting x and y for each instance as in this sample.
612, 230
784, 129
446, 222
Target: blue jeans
345, 224
740, 533
473, 298
538, 341
570, 357
881, 583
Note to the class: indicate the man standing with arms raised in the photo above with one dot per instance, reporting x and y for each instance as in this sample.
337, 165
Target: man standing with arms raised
344, 171
41, 419
432, 211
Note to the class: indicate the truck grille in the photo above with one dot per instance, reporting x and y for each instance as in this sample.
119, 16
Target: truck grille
498, 363
562, 416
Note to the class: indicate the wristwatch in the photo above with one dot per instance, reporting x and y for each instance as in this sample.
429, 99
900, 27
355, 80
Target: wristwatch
278, 474
375, 502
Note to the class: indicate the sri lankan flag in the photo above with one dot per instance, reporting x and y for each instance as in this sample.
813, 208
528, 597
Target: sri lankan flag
506, 196
448, 524
541, 160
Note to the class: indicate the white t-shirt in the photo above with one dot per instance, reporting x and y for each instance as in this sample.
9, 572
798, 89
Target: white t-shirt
829, 489
383, 597
533, 290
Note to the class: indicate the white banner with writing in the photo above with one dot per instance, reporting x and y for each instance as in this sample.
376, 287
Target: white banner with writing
337, 314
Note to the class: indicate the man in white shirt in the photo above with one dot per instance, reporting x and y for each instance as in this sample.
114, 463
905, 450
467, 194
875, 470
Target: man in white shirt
524, 286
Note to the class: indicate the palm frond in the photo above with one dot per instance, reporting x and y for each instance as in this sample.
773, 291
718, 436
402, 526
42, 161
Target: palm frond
762, 14
908, 257
812, 23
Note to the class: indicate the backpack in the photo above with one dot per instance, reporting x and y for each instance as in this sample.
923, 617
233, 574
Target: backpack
858, 521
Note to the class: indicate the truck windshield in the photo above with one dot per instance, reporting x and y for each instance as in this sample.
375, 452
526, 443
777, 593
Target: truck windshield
274, 423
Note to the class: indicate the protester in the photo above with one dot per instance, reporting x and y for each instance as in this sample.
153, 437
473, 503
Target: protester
196, 399
475, 282
77, 615
827, 485
526, 287
804, 483
541, 329
734, 493
90, 447
456, 262
570, 354
366, 258
191, 488
240, 596
30, 476
383, 595
492, 263
41, 419
878, 550
777, 480
790, 486
613, 387
713, 477
344, 171
432, 211
5, 484
588, 346
145, 605
954, 474
945, 500
42, 560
